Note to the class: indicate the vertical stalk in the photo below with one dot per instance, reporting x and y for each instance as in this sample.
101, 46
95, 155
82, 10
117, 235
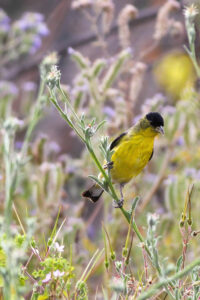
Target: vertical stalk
8, 205
34, 119
111, 191
12, 168
8, 181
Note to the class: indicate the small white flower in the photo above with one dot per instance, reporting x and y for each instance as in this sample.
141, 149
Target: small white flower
47, 278
53, 77
51, 59
54, 73
59, 248
35, 251
191, 11
57, 273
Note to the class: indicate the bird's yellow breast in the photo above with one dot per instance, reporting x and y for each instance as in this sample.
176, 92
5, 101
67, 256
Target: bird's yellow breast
131, 156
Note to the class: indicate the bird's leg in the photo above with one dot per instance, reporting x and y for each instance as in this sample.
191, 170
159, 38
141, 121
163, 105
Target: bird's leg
108, 166
120, 203
121, 194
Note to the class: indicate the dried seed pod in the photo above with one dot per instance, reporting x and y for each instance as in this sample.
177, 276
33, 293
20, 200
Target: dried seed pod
136, 82
78, 4
128, 13
164, 22
108, 14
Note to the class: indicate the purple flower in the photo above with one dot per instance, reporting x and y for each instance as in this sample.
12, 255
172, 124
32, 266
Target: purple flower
149, 177
190, 172
37, 41
21, 25
33, 16
197, 176
59, 248
29, 86
70, 51
42, 29
181, 141
36, 44
57, 273
47, 278
4, 27
170, 179
8, 88
91, 232
32, 21
109, 111
18, 145
4, 21
54, 147
170, 110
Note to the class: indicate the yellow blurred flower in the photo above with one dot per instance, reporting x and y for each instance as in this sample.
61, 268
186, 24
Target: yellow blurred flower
176, 75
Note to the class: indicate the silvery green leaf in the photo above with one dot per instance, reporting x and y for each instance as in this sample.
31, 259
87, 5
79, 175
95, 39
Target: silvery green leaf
134, 204
100, 125
81, 61
179, 263
93, 122
98, 65
77, 100
115, 69
102, 185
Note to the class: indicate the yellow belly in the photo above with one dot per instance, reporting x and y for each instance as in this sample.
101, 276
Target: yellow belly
130, 158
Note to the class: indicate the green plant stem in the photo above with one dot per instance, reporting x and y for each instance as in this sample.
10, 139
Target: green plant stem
113, 194
34, 119
11, 167
191, 33
112, 191
114, 70
162, 283
193, 57
7, 179
11, 171
93, 265
64, 116
8, 204
66, 99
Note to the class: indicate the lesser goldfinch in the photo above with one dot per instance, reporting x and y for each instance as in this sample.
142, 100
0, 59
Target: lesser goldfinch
132, 151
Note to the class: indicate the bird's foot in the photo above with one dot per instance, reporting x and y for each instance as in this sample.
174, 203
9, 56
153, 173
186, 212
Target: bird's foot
118, 204
108, 166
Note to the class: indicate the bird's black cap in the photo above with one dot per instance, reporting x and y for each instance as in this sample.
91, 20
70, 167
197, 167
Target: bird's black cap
155, 119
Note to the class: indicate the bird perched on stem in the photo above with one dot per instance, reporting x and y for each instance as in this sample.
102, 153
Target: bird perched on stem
132, 150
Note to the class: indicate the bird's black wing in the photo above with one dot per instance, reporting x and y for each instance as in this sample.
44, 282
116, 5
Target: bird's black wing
117, 140
151, 155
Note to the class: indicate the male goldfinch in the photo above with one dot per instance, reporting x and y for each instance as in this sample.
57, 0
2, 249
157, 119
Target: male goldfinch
132, 151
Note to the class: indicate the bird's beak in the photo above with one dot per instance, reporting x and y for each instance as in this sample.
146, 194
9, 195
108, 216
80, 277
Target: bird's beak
160, 130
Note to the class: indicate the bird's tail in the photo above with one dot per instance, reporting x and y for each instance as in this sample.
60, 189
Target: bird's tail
93, 193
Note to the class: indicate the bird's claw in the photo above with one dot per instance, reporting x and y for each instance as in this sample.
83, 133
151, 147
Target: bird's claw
108, 166
118, 204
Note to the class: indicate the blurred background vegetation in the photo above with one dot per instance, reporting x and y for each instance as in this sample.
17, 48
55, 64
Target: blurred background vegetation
118, 60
